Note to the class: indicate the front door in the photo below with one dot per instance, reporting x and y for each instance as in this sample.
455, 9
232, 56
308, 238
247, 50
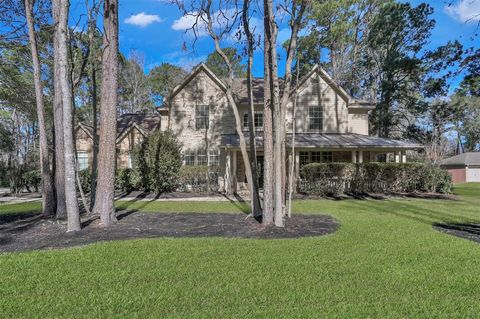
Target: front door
260, 171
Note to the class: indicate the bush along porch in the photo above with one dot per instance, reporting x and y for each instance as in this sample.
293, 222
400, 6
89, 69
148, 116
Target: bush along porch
333, 179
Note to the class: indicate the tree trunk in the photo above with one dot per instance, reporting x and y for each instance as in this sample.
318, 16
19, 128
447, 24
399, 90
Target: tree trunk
104, 202
254, 188
58, 123
73, 216
268, 170
92, 22
48, 196
277, 123
93, 185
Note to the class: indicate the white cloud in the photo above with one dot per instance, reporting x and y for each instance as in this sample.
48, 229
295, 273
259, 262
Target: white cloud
186, 22
220, 21
142, 19
465, 10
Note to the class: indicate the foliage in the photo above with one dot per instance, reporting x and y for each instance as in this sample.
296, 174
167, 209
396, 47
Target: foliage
333, 179
32, 180
194, 178
326, 178
157, 161
216, 64
466, 102
384, 250
134, 90
125, 180
85, 180
162, 80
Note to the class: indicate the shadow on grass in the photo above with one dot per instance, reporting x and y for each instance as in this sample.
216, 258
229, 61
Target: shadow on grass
414, 212
239, 203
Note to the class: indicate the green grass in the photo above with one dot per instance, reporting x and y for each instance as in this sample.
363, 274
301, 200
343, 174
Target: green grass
385, 261
27, 207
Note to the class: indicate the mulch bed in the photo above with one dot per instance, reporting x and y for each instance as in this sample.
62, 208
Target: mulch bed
463, 230
30, 232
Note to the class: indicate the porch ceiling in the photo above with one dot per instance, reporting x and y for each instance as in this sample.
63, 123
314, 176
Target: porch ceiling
329, 141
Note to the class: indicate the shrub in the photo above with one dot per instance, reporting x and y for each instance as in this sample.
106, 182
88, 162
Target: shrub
85, 180
124, 180
194, 178
157, 161
32, 180
337, 178
326, 178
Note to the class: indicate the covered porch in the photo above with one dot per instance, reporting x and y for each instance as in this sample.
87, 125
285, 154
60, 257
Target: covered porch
314, 148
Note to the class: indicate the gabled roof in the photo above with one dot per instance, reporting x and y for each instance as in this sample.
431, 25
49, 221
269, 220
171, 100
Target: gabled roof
464, 159
195, 71
144, 123
239, 87
351, 102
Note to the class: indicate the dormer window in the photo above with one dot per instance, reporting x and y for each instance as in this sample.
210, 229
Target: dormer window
202, 113
315, 118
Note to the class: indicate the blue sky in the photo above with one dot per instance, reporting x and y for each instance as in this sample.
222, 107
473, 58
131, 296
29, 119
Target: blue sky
156, 30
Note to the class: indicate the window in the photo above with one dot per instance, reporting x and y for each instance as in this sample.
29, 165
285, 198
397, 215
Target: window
315, 118
245, 122
304, 158
129, 164
214, 159
189, 158
315, 157
258, 120
327, 157
202, 158
82, 161
201, 116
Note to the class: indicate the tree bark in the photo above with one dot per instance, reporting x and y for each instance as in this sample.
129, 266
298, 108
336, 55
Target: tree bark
104, 203
73, 216
268, 170
58, 123
48, 195
254, 188
271, 37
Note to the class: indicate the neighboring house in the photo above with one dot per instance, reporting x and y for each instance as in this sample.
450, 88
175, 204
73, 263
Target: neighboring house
464, 167
330, 125
131, 129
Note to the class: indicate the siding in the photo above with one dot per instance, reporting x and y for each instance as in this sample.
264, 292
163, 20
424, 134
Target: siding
315, 91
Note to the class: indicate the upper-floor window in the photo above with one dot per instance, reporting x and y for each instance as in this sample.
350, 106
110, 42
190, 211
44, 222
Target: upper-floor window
257, 121
82, 160
315, 118
202, 116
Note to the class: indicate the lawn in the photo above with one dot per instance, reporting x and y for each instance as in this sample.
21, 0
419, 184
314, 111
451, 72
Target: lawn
385, 261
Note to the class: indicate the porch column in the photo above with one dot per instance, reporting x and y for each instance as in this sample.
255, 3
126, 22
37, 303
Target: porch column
360, 156
404, 157
228, 173
354, 156
234, 174
397, 157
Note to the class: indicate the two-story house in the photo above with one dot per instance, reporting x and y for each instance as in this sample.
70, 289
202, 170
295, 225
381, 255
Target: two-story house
330, 125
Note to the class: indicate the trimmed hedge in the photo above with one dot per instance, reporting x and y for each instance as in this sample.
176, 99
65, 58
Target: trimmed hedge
333, 179
194, 178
